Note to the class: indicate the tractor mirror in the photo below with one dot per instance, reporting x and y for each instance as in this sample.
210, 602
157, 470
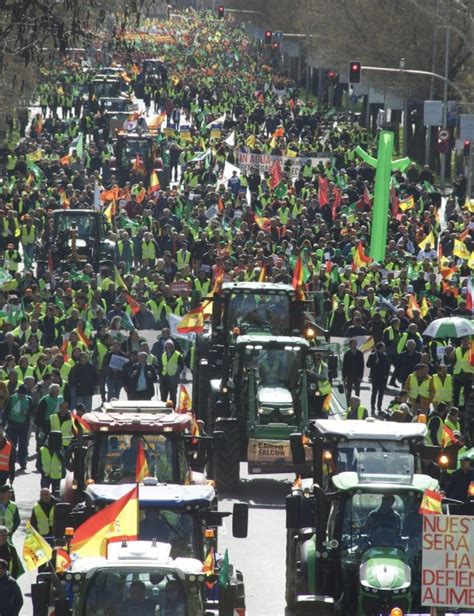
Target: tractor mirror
293, 511
297, 448
332, 366
240, 520
62, 512
219, 440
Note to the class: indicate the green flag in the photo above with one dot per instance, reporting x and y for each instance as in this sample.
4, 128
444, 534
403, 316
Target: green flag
126, 323
80, 146
35, 170
224, 571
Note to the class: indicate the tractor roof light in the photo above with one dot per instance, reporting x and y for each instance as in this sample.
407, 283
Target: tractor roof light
443, 460
327, 456
396, 611
69, 531
209, 533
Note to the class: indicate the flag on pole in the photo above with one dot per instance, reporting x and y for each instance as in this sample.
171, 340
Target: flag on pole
224, 571
184, 400
138, 166
78, 421
431, 503
429, 239
134, 305
208, 567
460, 250
83, 337
154, 183
323, 191
80, 146
36, 550
297, 280
407, 204
470, 296
276, 174
119, 280
193, 321
116, 522
360, 259
62, 560
141, 468
412, 305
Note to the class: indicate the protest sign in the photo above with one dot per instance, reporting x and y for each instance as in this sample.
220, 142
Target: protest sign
263, 162
448, 561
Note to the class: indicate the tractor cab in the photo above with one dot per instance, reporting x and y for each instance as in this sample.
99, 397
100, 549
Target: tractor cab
360, 546
117, 112
107, 452
78, 237
104, 87
132, 147
133, 571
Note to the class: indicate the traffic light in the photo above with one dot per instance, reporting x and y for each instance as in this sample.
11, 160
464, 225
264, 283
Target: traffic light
467, 147
267, 40
354, 72
332, 75
220, 11
276, 45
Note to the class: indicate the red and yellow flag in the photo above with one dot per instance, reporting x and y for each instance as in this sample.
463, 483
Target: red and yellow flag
192, 322
138, 166
412, 305
65, 160
134, 305
184, 400
77, 421
360, 259
110, 211
62, 560
140, 196
141, 468
431, 503
116, 522
154, 183
297, 280
195, 431
83, 337
208, 567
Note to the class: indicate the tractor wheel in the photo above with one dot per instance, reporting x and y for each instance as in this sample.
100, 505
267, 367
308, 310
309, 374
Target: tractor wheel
290, 576
227, 462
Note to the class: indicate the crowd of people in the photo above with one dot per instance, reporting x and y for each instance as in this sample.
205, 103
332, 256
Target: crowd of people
73, 331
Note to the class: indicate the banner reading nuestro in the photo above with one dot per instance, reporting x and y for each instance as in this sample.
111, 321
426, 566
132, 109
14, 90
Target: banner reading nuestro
263, 162
448, 561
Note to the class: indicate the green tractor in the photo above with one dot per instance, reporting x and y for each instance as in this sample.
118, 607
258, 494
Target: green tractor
242, 308
263, 399
357, 550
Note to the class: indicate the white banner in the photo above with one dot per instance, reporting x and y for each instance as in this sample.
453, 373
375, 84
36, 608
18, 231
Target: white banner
448, 561
263, 162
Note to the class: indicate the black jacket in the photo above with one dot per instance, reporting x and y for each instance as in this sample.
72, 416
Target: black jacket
353, 365
84, 378
379, 365
11, 599
133, 374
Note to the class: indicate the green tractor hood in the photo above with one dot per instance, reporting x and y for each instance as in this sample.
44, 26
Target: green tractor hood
385, 568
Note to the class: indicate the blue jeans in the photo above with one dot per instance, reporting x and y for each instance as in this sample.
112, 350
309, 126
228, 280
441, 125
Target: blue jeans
18, 434
86, 401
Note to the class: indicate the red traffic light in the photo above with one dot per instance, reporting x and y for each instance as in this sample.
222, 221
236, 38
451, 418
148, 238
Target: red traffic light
220, 10
332, 74
467, 147
275, 45
354, 72
268, 37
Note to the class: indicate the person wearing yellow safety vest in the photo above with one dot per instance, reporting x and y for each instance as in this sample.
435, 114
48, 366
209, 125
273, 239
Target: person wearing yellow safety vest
62, 422
28, 237
51, 462
202, 284
436, 425
412, 333
320, 387
124, 251
9, 514
452, 420
183, 257
418, 385
42, 515
356, 409
11, 259
149, 250
171, 363
442, 386
463, 372
10, 564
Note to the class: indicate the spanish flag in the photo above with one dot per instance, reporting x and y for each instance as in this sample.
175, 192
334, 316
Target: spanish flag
62, 560
412, 305
192, 322
83, 337
430, 503
138, 167
297, 280
140, 196
65, 160
141, 469
116, 522
208, 567
79, 424
184, 400
360, 259
216, 288
195, 431
154, 183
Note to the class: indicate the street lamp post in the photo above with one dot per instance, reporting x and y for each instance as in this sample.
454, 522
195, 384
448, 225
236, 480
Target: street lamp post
443, 157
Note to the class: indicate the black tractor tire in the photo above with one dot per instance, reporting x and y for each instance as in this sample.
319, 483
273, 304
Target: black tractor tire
227, 462
290, 572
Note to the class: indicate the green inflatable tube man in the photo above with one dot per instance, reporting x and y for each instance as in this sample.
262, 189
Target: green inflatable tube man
384, 167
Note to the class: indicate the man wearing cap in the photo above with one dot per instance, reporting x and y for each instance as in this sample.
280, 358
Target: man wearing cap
9, 514
16, 417
7, 459
171, 363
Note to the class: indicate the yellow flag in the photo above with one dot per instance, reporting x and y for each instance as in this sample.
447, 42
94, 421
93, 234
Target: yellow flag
424, 308
429, 239
36, 551
250, 141
407, 204
470, 262
460, 250
119, 280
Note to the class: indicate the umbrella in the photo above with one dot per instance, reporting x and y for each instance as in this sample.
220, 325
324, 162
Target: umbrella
450, 327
